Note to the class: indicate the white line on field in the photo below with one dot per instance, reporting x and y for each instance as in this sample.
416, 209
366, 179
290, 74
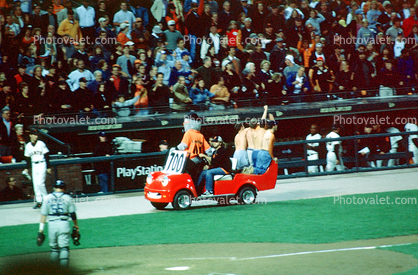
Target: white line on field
298, 253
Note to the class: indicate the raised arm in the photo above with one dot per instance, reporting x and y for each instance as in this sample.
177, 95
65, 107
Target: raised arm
265, 112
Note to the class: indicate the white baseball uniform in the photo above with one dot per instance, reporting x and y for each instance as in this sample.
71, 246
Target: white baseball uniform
332, 155
312, 154
37, 155
409, 127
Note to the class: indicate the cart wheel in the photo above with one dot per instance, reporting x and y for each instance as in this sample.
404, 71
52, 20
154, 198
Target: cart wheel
159, 205
247, 195
182, 200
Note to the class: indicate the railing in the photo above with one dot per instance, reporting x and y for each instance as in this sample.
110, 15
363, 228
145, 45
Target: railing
284, 163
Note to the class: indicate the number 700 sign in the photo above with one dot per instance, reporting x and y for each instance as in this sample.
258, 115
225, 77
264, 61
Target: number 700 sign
175, 162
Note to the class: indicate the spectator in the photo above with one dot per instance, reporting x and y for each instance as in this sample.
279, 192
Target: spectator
181, 99
124, 16
81, 72
208, 72
219, 164
409, 22
172, 16
102, 11
213, 39
102, 169
141, 13
159, 10
141, 106
258, 15
395, 30
63, 98
195, 29
159, 95
321, 80
319, 52
389, 80
315, 19
406, 69
7, 135
117, 84
124, 35
364, 73
39, 20
62, 15
83, 98
373, 15
13, 27
140, 36
104, 26
176, 72
221, 93
11, 192
199, 94
364, 35
24, 102
297, 85
70, 27
291, 67
102, 100
123, 107
344, 79
275, 18
172, 35
126, 61
98, 78
277, 56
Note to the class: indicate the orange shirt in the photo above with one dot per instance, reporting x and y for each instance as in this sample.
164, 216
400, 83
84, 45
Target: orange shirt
196, 143
58, 8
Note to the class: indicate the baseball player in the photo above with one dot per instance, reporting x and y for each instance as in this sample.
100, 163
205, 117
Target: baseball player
412, 141
36, 154
334, 149
312, 148
58, 207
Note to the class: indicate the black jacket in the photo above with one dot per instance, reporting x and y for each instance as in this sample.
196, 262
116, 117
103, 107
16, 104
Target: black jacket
221, 159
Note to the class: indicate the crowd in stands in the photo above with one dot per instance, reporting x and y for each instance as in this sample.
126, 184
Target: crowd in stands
142, 57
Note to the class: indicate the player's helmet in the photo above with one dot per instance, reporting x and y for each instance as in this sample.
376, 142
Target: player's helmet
59, 184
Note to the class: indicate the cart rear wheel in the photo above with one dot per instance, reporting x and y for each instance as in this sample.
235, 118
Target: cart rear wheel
247, 195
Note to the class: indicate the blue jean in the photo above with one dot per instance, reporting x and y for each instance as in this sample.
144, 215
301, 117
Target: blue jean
192, 39
254, 156
208, 176
263, 162
103, 180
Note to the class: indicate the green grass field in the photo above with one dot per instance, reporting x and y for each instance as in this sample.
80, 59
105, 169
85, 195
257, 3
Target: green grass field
300, 221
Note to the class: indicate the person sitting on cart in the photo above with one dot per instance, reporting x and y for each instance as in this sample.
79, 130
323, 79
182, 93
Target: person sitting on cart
195, 143
218, 164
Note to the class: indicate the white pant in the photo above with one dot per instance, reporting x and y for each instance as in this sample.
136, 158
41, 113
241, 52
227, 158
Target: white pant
38, 179
314, 168
392, 162
415, 156
332, 162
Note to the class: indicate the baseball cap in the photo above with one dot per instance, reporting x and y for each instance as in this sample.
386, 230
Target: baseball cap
129, 43
290, 58
157, 30
101, 134
123, 26
253, 35
163, 142
163, 52
269, 25
33, 132
279, 39
102, 19
320, 59
138, 61
171, 23
217, 139
318, 45
271, 123
185, 53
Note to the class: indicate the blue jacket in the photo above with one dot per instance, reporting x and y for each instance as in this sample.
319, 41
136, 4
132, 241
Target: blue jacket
199, 96
292, 78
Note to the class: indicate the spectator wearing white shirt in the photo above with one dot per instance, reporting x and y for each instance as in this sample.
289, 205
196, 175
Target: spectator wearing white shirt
214, 40
13, 27
86, 22
74, 76
123, 16
289, 10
